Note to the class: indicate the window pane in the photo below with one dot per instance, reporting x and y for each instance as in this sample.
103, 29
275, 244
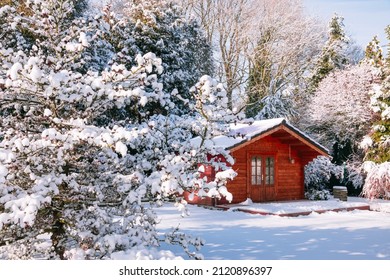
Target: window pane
256, 170
253, 180
269, 171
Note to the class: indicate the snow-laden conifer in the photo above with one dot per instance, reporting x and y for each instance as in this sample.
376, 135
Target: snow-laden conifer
74, 182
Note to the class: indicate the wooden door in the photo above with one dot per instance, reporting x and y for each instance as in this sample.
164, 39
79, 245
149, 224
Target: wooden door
261, 178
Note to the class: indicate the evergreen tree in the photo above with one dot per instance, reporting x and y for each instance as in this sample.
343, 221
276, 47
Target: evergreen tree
379, 149
162, 28
260, 77
334, 53
373, 53
377, 142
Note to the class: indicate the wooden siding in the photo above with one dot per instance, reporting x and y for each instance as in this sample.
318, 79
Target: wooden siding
288, 176
290, 149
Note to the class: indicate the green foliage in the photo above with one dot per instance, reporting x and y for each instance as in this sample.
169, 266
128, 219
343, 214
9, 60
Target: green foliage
342, 150
322, 174
260, 76
313, 194
379, 151
333, 54
373, 53
161, 27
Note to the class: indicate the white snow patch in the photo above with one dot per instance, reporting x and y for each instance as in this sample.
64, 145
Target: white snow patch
47, 112
3, 171
121, 148
143, 100
35, 74
83, 39
231, 235
13, 72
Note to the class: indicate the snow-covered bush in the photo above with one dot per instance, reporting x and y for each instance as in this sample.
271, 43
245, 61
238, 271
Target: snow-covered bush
377, 183
354, 177
319, 176
313, 194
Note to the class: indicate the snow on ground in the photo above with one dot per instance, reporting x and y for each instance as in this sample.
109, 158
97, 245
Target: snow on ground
231, 235
305, 205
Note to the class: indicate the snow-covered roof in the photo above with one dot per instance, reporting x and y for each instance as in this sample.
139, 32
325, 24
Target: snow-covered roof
240, 133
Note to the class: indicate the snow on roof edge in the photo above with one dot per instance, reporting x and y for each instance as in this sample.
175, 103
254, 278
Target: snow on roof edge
241, 132
308, 138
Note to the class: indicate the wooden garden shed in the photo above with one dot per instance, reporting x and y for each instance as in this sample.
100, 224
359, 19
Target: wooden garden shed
269, 158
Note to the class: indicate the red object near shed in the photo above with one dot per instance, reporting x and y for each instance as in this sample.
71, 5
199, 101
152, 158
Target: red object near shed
269, 159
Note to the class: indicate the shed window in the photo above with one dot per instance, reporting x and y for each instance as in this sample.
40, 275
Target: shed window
269, 171
261, 166
256, 171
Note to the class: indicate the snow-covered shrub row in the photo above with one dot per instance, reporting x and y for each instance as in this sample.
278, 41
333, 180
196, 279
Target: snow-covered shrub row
70, 187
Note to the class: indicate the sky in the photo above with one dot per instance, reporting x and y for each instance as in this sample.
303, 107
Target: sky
363, 19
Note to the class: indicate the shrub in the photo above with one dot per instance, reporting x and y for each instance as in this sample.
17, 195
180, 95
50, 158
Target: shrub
313, 194
377, 184
321, 174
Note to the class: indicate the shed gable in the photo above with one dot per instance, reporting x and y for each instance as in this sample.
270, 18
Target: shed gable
260, 146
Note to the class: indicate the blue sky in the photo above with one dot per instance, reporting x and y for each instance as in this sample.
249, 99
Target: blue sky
363, 19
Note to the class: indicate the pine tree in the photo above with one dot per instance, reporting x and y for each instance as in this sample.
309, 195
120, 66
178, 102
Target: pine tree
162, 28
260, 77
333, 55
379, 150
373, 53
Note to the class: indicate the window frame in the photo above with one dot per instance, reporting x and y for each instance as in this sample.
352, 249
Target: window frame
262, 168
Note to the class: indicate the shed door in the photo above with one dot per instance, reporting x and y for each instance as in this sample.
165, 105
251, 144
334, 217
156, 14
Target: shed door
262, 178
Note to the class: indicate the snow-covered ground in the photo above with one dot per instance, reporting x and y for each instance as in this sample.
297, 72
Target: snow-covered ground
231, 235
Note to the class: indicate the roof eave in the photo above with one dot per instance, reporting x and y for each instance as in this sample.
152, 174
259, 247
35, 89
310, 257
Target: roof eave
284, 124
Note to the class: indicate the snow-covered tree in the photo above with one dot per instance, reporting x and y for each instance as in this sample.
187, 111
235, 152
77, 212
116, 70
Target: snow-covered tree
277, 105
338, 52
339, 112
272, 45
339, 115
228, 25
285, 41
377, 142
162, 28
373, 53
71, 188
